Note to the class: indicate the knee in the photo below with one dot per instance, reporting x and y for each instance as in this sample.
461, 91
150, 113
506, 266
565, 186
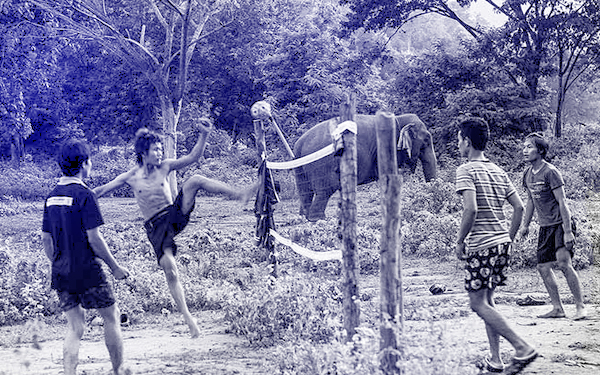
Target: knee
197, 181
77, 328
111, 315
543, 268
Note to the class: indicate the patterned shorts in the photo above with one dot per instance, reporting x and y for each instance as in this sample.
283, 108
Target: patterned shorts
94, 298
485, 269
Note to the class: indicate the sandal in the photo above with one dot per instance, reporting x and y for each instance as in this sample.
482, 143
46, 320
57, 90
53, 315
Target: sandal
519, 364
491, 367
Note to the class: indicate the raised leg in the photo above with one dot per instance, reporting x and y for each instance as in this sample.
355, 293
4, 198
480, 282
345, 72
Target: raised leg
112, 336
197, 182
75, 327
167, 262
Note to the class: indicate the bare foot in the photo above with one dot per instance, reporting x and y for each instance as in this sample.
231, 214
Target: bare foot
553, 314
123, 371
581, 314
194, 330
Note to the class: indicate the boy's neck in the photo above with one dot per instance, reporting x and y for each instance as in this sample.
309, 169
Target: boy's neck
537, 164
476, 155
148, 168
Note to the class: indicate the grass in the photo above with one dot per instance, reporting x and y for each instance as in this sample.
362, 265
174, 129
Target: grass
298, 317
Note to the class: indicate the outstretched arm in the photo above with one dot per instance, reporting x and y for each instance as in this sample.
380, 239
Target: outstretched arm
205, 128
114, 184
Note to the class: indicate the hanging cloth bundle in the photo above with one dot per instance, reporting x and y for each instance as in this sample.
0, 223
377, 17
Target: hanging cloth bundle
266, 197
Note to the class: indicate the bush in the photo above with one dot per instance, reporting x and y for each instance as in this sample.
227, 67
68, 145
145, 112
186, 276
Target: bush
30, 181
286, 309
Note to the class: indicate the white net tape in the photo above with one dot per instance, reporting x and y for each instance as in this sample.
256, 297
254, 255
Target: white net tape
314, 255
325, 151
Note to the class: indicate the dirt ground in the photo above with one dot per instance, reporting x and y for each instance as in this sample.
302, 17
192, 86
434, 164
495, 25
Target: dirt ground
567, 347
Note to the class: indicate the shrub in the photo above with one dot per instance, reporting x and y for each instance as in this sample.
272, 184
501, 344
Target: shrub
289, 308
30, 181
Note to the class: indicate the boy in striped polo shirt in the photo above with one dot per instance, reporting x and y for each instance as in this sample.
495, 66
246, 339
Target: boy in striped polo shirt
483, 241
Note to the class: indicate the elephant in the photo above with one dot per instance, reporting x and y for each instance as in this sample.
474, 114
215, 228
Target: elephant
317, 181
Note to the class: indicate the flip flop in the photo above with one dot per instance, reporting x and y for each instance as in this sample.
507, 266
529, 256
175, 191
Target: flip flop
519, 364
491, 367
530, 301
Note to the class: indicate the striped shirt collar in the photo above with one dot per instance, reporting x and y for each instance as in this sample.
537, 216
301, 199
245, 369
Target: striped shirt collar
65, 180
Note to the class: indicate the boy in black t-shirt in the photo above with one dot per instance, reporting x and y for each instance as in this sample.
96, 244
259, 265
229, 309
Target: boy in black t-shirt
74, 245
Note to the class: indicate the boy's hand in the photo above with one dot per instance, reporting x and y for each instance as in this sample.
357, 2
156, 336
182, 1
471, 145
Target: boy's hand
461, 251
120, 273
569, 239
523, 234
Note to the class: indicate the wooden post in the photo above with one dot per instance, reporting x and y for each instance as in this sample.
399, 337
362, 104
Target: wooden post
348, 221
390, 253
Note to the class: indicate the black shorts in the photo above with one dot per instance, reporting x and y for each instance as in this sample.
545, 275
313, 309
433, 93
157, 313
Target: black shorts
164, 225
550, 239
486, 268
98, 297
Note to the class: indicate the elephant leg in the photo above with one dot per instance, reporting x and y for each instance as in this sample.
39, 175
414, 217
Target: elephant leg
305, 191
325, 181
319, 204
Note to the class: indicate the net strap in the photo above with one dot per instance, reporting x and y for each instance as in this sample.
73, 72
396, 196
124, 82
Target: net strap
314, 255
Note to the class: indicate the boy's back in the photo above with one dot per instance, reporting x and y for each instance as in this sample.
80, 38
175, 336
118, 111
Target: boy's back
492, 187
71, 209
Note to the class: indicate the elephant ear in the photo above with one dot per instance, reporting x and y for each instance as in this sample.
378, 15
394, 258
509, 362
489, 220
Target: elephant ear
405, 140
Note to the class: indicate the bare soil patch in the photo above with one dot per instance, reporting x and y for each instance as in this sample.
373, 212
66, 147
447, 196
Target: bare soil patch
160, 345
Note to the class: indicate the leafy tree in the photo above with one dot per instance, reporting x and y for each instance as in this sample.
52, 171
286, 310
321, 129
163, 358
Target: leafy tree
577, 38
27, 69
307, 69
525, 47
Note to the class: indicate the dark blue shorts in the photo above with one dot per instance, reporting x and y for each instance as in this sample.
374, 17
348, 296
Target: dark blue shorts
550, 239
165, 225
98, 297
486, 268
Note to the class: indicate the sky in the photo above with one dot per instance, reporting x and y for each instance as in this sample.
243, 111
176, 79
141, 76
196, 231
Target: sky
486, 11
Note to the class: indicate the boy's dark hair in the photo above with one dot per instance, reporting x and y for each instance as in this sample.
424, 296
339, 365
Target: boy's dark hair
540, 143
143, 140
477, 130
73, 154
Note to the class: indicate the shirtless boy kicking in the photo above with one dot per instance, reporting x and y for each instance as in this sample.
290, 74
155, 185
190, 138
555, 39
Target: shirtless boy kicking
165, 217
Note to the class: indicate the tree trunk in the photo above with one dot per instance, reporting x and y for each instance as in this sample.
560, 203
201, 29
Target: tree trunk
169, 122
559, 109
16, 150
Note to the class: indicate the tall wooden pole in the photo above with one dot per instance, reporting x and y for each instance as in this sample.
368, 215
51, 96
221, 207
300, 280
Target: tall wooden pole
391, 303
348, 221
